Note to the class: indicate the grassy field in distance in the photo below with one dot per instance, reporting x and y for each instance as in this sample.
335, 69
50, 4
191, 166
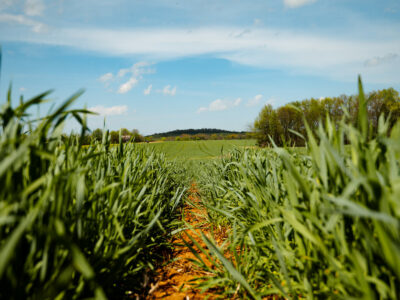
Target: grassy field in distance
199, 149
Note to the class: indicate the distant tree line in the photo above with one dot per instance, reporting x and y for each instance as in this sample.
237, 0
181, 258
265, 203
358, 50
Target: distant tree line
136, 137
199, 134
126, 135
281, 123
207, 131
203, 136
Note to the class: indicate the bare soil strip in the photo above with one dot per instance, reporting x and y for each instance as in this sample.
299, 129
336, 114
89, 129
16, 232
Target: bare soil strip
175, 280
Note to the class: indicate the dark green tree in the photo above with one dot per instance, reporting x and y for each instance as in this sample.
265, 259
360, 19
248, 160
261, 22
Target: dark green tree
97, 134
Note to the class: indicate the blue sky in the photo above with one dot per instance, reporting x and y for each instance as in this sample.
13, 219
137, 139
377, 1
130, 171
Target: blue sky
159, 65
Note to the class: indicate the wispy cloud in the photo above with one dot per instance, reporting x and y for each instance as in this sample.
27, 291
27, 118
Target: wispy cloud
4, 4
216, 105
34, 7
109, 111
254, 101
147, 91
270, 48
337, 57
202, 109
35, 26
135, 72
297, 3
220, 105
378, 60
237, 102
167, 90
127, 86
31, 8
106, 77
137, 69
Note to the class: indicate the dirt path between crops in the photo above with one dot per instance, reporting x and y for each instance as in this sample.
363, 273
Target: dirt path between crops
175, 280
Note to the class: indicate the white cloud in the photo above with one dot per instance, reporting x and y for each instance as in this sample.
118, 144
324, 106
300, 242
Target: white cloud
338, 57
378, 60
106, 77
136, 73
220, 105
109, 111
147, 91
22, 89
242, 33
122, 72
23, 20
168, 91
127, 86
297, 3
4, 4
255, 101
202, 109
34, 7
237, 102
137, 69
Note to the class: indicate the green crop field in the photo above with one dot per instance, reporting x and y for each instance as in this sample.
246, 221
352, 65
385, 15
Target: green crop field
96, 222
79, 222
207, 149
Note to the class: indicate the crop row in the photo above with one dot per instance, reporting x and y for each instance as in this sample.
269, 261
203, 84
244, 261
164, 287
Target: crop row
320, 224
78, 222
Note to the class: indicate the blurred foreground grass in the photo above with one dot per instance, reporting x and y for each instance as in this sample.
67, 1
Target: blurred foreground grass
78, 222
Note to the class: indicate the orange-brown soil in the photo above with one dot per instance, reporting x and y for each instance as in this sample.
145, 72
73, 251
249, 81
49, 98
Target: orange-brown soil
176, 279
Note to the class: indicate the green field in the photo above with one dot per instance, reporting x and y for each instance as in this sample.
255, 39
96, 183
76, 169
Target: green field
199, 149
97, 221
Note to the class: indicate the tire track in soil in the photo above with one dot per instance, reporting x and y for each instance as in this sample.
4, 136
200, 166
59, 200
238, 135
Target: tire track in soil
173, 280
